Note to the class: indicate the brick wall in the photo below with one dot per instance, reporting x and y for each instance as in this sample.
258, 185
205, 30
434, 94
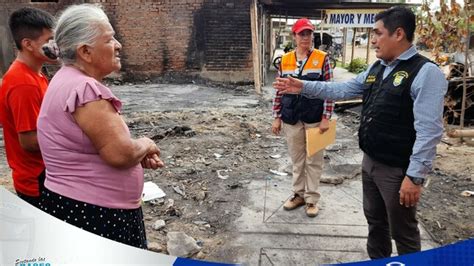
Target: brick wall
11, 5
208, 38
221, 40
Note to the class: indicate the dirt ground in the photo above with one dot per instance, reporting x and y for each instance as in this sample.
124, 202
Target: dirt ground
446, 214
221, 142
213, 150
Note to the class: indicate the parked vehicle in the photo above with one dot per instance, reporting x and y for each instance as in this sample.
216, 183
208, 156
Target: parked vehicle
334, 52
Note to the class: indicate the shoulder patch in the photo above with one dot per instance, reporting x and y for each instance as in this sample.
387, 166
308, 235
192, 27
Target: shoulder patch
370, 79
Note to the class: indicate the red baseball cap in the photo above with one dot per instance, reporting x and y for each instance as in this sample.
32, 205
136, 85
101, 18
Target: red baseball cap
301, 25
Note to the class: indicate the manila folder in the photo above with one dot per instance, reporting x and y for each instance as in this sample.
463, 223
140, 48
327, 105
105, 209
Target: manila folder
316, 141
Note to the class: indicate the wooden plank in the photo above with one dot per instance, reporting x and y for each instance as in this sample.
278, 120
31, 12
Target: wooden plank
349, 101
255, 47
344, 42
459, 133
354, 31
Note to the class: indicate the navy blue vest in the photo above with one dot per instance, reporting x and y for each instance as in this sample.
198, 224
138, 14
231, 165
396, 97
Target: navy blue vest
387, 133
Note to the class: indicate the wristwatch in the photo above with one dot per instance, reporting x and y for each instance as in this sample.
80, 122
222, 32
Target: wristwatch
417, 180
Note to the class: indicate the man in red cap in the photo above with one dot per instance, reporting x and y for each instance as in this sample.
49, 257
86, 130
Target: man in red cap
299, 113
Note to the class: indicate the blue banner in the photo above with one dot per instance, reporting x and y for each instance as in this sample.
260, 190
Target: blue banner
459, 254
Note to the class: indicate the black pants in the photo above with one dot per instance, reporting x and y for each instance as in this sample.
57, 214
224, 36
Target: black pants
31, 199
387, 219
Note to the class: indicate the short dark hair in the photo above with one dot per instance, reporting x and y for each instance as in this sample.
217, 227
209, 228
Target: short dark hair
28, 22
398, 17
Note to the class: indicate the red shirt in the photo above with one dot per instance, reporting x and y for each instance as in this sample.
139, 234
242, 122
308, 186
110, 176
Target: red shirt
21, 94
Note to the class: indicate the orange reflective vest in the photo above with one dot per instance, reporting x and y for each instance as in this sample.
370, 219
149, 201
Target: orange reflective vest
296, 108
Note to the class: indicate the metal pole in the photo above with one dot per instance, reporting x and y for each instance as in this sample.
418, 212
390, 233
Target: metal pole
353, 42
263, 49
344, 41
464, 78
320, 31
368, 46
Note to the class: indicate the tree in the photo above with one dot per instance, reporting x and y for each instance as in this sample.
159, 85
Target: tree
447, 30
444, 30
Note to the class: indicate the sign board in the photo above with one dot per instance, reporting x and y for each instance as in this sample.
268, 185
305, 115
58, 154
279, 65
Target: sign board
350, 18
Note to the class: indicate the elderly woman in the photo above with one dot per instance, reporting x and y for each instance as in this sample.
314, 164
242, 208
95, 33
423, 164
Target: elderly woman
94, 176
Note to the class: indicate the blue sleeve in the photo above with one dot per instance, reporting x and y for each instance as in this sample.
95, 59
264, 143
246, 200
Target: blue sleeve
427, 91
335, 90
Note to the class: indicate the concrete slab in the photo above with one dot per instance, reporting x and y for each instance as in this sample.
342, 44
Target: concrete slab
337, 207
340, 207
272, 236
301, 250
336, 218
316, 257
171, 96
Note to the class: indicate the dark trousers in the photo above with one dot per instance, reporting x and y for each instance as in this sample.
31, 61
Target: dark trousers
31, 199
387, 219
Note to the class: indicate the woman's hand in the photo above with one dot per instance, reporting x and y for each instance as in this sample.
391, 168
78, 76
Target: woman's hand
276, 126
152, 158
152, 162
324, 125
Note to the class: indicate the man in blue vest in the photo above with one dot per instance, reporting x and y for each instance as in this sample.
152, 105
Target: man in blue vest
401, 124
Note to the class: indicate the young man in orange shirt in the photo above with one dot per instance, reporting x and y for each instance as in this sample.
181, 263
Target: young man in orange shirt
21, 94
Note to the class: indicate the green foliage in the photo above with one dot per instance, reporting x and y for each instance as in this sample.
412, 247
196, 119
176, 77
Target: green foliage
357, 65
